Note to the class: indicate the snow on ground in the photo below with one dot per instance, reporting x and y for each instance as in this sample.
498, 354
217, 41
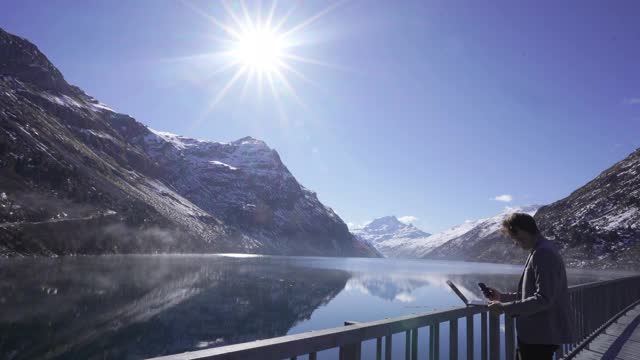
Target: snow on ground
63, 100
99, 134
248, 154
89, 103
616, 221
219, 163
102, 106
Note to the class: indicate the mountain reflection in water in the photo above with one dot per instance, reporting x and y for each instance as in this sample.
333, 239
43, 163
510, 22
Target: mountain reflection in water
140, 306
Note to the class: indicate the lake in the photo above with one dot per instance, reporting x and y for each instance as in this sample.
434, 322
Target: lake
130, 307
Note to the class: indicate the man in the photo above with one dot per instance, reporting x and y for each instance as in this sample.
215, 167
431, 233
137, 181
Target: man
541, 303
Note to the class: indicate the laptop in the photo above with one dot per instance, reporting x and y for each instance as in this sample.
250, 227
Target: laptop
464, 298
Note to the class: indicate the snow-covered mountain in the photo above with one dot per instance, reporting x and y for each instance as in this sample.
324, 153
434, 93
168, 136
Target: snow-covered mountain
598, 225
472, 240
480, 240
386, 228
78, 177
390, 236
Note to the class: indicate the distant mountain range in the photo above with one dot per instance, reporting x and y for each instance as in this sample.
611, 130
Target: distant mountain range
471, 240
77, 177
597, 226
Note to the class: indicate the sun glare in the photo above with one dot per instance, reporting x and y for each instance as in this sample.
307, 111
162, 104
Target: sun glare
261, 48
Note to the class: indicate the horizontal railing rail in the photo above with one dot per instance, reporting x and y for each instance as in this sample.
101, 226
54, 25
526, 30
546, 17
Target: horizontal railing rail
592, 305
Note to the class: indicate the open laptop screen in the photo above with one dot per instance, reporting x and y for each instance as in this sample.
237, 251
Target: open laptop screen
464, 298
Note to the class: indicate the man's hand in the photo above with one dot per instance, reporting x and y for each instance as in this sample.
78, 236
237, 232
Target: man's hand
494, 295
495, 307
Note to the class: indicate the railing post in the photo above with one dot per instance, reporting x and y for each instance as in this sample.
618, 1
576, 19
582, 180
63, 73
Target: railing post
578, 313
453, 339
494, 336
509, 337
431, 341
434, 341
414, 344
484, 354
350, 352
559, 352
387, 347
587, 298
469, 337
407, 345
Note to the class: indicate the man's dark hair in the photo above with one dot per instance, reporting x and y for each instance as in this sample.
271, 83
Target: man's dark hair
520, 221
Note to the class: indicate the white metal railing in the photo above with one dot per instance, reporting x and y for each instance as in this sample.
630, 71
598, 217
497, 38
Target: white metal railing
592, 305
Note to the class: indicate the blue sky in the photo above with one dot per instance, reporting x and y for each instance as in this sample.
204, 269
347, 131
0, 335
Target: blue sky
428, 109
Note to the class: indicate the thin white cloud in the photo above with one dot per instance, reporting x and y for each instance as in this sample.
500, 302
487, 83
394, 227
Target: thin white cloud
405, 297
632, 101
503, 198
408, 219
354, 226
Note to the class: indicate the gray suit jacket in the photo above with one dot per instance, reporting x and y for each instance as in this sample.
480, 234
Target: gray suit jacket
541, 304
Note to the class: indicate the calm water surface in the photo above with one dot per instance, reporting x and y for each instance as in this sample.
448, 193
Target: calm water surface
130, 307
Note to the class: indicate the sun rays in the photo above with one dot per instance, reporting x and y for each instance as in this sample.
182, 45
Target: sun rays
258, 49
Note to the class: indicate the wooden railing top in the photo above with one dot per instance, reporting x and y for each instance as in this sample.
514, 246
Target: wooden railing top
602, 283
317, 340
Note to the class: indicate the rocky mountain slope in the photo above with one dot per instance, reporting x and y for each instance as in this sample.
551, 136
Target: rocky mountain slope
598, 225
481, 240
390, 236
78, 177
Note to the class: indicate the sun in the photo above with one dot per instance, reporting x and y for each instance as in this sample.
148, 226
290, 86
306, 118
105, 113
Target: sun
260, 47
260, 50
